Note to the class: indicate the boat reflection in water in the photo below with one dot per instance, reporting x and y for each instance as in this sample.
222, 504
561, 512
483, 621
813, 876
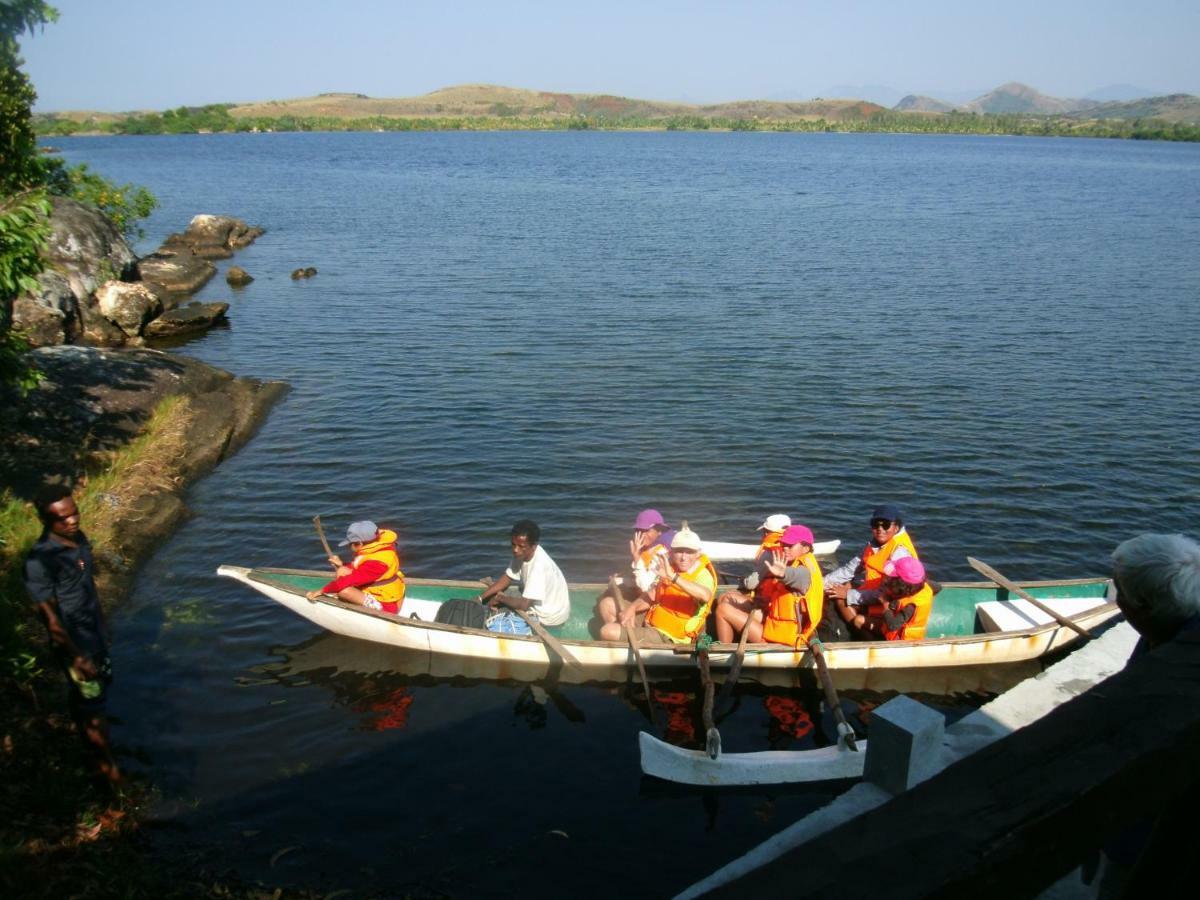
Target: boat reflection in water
381, 684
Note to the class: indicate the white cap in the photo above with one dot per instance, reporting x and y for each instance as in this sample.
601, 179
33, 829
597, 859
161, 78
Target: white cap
776, 522
685, 539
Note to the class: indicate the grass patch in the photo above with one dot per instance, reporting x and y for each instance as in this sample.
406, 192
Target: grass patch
146, 465
62, 833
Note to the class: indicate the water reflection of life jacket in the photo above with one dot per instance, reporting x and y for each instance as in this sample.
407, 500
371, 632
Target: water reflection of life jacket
788, 716
388, 588
681, 723
677, 614
914, 629
781, 625
870, 575
390, 712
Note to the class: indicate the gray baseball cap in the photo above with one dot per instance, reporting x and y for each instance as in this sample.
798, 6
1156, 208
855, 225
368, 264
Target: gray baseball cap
360, 532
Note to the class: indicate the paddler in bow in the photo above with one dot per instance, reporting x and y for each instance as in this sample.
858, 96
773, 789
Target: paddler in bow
372, 578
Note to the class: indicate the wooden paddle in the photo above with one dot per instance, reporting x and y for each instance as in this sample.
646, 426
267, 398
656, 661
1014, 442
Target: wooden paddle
550, 640
615, 592
739, 657
988, 572
712, 737
321, 535
831, 697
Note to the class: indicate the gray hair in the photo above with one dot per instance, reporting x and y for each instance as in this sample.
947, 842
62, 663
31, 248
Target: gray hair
1159, 575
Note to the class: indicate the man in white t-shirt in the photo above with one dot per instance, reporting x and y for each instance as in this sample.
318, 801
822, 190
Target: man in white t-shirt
542, 588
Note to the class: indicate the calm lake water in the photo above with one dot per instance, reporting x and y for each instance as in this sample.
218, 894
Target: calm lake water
998, 334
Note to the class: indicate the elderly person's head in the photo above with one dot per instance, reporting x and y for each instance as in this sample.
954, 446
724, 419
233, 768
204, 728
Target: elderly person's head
1158, 583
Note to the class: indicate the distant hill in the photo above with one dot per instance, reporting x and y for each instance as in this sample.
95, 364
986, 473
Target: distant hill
1184, 108
1120, 93
1015, 97
495, 100
920, 103
873, 93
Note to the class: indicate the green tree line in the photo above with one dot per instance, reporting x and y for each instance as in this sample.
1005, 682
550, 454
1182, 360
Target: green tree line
217, 118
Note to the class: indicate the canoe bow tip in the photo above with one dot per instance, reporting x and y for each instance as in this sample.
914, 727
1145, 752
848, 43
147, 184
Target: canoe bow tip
238, 572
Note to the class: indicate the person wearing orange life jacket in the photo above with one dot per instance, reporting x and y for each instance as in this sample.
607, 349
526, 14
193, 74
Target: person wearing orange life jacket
675, 609
372, 578
772, 528
899, 610
792, 596
854, 581
743, 597
650, 541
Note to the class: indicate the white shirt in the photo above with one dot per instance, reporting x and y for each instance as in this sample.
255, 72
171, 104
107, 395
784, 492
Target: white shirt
541, 582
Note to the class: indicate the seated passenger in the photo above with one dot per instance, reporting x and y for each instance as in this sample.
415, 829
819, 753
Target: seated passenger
898, 611
772, 528
646, 546
372, 578
675, 608
543, 592
889, 540
791, 596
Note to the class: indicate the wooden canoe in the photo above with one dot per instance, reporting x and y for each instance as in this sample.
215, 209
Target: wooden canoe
955, 634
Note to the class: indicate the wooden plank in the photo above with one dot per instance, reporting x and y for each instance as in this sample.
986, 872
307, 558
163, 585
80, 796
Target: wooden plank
1012, 818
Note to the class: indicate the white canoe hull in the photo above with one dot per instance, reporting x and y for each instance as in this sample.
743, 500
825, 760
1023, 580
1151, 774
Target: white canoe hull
726, 551
450, 640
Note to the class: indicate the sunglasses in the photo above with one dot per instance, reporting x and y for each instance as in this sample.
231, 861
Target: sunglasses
683, 550
881, 523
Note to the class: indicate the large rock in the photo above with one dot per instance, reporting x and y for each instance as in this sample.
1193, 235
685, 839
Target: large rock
51, 314
181, 272
220, 232
193, 317
85, 250
128, 306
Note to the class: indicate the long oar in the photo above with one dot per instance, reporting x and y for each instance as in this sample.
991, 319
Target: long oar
988, 572
831, 697
550, 640
738, 658
712, 737
614, 590
321, 535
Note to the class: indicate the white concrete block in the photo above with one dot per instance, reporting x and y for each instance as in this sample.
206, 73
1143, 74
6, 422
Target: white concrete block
905, 745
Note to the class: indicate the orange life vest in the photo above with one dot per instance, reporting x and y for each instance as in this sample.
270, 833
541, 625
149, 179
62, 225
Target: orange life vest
781, 625
677, 614
390, 587
914, 628
875, 558
770, 541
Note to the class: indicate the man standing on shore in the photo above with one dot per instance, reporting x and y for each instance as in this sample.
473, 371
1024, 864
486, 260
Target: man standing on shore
58, 575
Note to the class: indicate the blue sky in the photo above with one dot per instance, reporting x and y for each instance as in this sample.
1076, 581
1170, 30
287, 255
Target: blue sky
138, 54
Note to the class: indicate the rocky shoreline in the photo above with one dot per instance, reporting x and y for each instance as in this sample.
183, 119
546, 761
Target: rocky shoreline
95, 307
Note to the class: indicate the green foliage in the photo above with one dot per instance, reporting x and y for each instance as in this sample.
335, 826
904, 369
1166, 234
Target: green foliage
19, 168
216, 118
125, 204
24, 230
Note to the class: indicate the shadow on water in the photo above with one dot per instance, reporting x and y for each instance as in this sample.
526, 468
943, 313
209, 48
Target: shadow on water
468, 782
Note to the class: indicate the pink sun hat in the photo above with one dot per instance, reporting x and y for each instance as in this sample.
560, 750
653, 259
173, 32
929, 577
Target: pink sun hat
797, 534
907, 568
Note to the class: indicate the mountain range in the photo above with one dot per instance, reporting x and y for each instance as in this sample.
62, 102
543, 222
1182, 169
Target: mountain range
485, 100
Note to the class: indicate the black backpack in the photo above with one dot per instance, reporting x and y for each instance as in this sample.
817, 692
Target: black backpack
466, 613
